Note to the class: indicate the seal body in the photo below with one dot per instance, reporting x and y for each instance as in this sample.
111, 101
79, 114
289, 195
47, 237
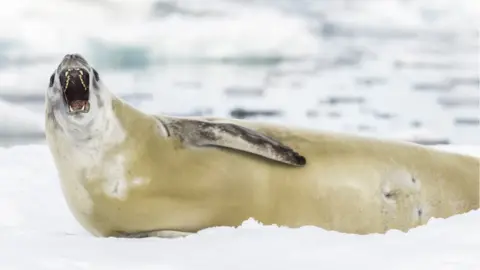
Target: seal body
126, 173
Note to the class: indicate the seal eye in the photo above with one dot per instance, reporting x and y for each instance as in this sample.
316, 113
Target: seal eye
52, 80
95, 75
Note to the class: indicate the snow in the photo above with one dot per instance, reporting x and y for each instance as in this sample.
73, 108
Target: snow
38, 232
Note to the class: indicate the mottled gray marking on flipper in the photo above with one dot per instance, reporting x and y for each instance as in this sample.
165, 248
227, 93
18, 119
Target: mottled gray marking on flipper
204, 133
161, 234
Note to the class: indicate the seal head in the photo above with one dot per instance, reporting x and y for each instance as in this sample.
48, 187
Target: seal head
75, 97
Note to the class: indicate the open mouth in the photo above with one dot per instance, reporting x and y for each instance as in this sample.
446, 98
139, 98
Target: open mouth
76, 92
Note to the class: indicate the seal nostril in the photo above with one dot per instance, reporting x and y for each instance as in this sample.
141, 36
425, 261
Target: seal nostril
71, 56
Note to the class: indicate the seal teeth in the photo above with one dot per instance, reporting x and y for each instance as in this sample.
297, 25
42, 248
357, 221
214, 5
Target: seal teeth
67, 75
84, 108
81, 80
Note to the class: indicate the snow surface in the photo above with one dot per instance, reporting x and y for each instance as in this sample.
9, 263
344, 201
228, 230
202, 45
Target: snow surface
38, 232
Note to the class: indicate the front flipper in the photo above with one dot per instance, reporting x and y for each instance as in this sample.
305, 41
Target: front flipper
203, 133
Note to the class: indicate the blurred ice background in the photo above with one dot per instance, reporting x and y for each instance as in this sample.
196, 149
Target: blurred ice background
406, 69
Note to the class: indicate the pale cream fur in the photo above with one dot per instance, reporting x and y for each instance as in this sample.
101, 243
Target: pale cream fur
145, 181
341, 188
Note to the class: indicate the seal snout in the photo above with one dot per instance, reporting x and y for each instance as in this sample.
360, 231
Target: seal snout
75, 83
74, 57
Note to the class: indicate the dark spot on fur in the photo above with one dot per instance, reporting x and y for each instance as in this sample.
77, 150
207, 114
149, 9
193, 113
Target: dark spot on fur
414, 180
389, 195
420, 212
